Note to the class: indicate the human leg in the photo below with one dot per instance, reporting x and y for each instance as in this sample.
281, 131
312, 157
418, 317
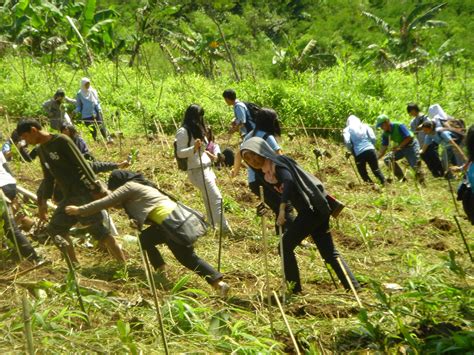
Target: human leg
431, 158
149, 238
323, 240
210, 194
91, 126
371, 157
361, 164
390, 161
13, 233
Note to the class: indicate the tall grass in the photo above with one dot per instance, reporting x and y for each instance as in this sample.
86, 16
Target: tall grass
322, 99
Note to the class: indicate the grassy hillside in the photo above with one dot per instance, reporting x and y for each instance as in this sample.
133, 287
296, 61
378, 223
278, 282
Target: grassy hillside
401, 234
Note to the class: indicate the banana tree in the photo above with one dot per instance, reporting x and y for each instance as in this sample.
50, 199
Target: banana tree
401, 43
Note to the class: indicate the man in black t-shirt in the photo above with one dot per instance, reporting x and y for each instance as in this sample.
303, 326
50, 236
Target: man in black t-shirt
64, 165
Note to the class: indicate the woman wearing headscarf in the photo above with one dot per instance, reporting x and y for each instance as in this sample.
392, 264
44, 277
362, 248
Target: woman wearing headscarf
145, 204
359, 139
88, 105
190, 144
311, 201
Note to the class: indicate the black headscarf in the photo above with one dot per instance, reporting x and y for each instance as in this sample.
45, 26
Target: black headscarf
120, 177
309, 186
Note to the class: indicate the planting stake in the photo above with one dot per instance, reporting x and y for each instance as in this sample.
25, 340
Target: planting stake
62, 244
283, 291
349, 281
27, 324
354, 169
452, 195
221, 222
265, 256
295, 344
205, 188
151, 283
463, 238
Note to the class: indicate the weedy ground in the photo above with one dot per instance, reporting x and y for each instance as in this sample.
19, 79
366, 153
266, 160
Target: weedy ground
403, 234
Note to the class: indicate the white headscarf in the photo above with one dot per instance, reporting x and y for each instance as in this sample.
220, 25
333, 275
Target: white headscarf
436, 112
90, 93
355, 127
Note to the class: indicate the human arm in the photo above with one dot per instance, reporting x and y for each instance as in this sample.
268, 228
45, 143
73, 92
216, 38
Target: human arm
371, 135
118, 197
70, 101
382, 151
78, 103
458, 149
346, 135
285, 178
182, 148
405, 142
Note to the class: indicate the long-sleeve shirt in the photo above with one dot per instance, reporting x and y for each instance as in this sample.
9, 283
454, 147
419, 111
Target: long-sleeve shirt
62, 162
359, 143
138, 201
183, 150
414, 123
56, 112
87, 108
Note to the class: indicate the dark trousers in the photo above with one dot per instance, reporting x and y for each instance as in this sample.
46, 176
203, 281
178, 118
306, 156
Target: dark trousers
369, 157
11, 229
272, 199
308, 222
186, 255
92, 123
432, 160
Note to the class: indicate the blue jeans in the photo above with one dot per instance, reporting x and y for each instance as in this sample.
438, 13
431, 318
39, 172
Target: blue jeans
412, 154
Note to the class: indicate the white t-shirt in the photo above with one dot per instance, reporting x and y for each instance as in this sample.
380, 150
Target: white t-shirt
5, 176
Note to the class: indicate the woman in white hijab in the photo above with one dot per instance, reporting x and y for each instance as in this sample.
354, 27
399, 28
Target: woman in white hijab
88, 105
359, 139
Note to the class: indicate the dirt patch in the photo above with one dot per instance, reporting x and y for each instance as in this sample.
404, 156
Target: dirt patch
439, 245
347, 241
322, 311
441, 224
323, 286
246, 197
330, 170
239, 275
439, 329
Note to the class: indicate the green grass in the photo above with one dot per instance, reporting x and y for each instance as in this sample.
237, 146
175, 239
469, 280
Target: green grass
385, 236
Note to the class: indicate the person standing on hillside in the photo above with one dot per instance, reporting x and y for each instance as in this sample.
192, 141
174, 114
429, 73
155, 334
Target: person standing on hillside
64, 165
191, 140
88, 105
406, 147
430, 156
311, 201
359, 139
56, 111
242, 121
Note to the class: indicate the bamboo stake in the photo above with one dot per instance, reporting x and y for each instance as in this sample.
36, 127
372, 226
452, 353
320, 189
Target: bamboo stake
27, 324
331, 275
265, 255
62, 244
463, 238
151, 283
293, 339
349, 281
221, 222
282, 258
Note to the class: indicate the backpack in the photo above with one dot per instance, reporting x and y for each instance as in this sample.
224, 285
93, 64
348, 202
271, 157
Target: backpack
182, 162
253, 110
454, 125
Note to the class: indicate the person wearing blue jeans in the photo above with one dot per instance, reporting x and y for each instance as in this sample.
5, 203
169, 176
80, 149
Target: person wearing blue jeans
406, 147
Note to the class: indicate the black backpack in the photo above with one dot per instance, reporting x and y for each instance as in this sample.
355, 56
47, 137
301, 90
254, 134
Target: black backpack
182, 162
253, 110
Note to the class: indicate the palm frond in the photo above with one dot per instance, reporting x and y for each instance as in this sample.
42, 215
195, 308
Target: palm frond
307, 50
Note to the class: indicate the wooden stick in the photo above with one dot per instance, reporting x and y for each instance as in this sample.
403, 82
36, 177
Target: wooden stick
349, 281
221, 220
295, 344
265, 258
463, 238
27, 324
282, 258
151, 284
26, 271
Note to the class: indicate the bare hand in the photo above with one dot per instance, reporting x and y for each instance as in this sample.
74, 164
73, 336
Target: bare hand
234, 173
197, 144
43, 212
72, 210
124, 164
281, 218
